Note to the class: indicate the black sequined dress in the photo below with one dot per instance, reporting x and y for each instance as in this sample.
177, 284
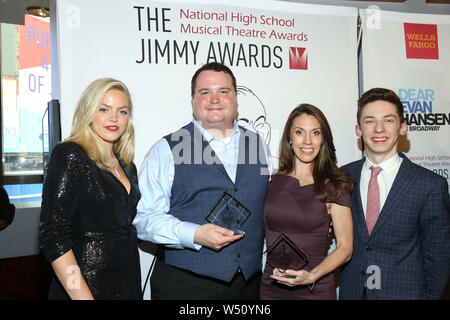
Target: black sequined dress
88, 210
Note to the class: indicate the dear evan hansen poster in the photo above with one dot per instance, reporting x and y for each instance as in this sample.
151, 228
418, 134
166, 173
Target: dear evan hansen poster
410, 54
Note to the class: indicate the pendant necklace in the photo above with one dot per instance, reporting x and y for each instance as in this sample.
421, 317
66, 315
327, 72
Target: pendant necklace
115, 168
304, 177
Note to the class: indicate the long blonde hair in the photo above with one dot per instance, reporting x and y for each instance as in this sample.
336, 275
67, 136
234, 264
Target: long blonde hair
82, 133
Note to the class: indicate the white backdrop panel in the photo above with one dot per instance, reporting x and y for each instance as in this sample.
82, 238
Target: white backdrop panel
94, 42
410, 54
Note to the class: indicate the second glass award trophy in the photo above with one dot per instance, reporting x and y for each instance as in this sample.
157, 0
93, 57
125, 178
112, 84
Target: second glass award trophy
229, 213
284, 254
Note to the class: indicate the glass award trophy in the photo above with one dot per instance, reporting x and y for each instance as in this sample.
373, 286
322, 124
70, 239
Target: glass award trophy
229, 213
284, 254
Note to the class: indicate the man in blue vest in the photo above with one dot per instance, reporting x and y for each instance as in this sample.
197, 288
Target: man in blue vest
182, 178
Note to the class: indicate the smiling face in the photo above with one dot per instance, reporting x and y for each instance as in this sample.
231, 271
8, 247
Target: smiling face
214, 101
306, 137
380, 130
111, 119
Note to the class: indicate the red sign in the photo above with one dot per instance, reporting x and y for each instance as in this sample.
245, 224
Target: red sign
34, 47
298, 58
421, 41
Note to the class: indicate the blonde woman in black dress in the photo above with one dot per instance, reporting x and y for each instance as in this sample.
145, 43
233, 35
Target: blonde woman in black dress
89, 200
307, 192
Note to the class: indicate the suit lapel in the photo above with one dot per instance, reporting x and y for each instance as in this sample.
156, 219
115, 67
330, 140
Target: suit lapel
360, 220
402, 181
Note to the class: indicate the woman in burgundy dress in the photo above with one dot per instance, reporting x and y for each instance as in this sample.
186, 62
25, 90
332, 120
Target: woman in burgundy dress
308, 192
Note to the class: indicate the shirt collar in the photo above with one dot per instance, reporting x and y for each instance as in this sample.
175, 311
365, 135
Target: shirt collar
209, 137
386, 165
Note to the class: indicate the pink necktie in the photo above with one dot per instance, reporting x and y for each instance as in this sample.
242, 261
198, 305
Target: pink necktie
373, 199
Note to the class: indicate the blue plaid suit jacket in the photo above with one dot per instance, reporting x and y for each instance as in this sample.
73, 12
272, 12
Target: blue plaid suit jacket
407, 255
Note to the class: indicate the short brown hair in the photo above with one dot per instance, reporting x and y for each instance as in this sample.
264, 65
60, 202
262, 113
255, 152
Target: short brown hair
213, 66
382, 94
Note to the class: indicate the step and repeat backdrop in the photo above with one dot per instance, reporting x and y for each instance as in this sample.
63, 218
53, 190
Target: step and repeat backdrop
282, 54
410, 54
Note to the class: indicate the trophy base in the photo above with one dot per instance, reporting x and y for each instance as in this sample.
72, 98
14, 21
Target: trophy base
284, 275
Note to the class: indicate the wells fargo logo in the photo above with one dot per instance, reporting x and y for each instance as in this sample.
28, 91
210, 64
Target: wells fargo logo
421, 41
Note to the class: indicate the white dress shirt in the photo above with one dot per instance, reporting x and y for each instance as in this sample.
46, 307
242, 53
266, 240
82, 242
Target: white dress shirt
385, 178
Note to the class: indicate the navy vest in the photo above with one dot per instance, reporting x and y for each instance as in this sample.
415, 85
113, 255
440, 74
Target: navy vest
200, 179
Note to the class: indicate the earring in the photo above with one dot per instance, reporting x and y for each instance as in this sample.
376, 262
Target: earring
290, 145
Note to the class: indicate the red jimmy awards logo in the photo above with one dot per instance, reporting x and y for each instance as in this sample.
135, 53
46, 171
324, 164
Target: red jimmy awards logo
421, 41
298, 58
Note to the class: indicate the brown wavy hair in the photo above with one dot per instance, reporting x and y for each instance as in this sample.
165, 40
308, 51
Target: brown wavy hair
325, 167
